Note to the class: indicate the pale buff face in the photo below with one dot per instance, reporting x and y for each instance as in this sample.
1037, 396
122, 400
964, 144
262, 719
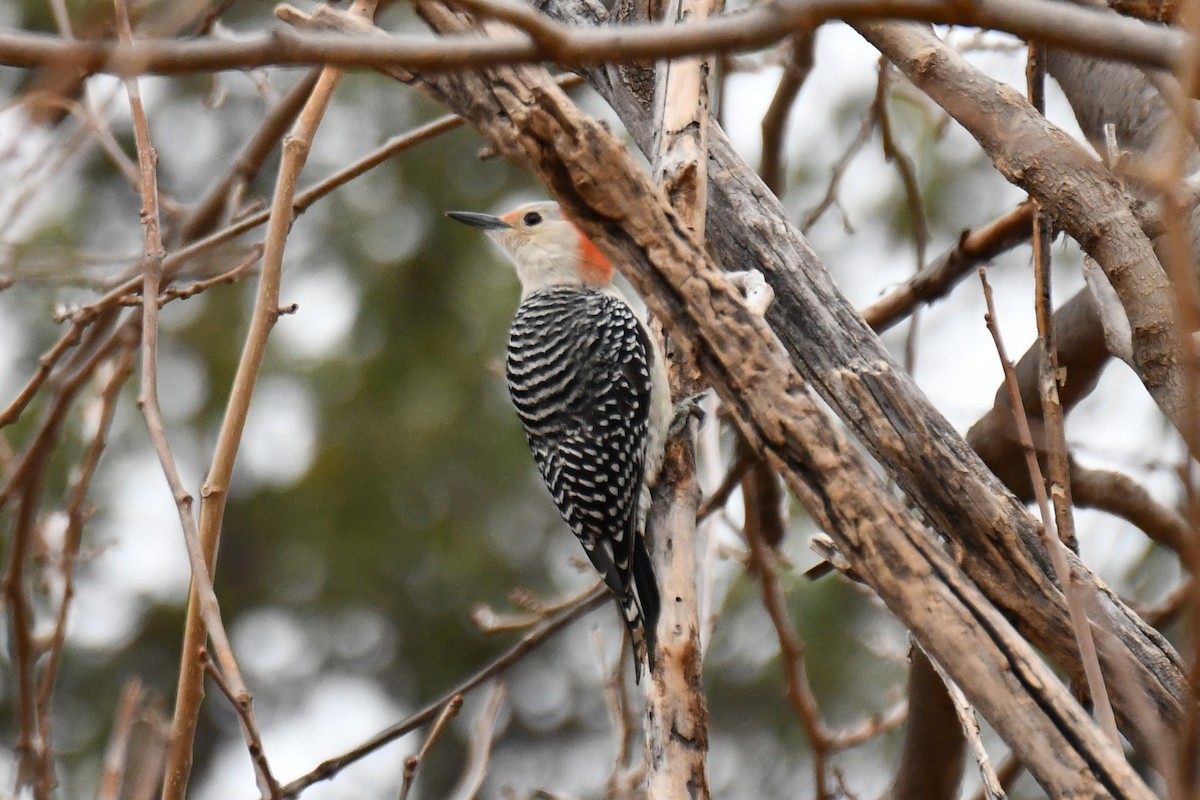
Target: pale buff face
545, 247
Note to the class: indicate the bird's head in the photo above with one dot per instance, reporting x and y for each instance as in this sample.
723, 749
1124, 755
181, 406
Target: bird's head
546, 248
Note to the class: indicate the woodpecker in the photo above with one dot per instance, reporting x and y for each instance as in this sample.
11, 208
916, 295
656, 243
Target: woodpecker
589, 384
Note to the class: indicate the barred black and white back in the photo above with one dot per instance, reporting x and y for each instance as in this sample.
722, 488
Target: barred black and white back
579, 372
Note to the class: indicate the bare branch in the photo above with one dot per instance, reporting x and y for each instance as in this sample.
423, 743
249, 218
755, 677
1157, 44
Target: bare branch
839, 169
207, 213
412, 763
676, 707
1064, 178
970, 725
593, 599
1124, 497
791, 652
1073, 589
933, 756
46, 364
116, 758
214, 491
935, 280
482, 735
1086, 29
240, 700
77, 516
720, 495
796, 68
616, 699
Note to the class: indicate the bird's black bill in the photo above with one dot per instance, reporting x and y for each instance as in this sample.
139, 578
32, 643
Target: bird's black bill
485, 222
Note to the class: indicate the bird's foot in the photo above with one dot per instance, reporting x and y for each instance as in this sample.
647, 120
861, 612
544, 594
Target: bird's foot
685, 409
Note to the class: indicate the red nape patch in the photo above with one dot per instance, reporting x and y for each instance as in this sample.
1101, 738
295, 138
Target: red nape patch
594, 266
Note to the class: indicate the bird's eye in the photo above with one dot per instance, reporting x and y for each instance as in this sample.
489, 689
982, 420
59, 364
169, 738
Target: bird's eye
532, 218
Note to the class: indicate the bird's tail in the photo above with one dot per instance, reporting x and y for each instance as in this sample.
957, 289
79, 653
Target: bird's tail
640, 608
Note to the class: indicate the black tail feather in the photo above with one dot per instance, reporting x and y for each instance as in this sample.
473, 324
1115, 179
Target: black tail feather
647, 594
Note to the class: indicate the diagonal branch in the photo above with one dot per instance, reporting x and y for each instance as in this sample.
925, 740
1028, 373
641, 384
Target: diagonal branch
1062, 177
609, 195
848, 366
152, 263
214, 492
591, 600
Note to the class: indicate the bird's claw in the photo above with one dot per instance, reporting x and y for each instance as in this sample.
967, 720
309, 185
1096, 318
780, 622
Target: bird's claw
686, 409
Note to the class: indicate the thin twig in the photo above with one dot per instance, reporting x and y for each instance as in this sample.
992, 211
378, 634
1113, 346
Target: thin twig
191, 290
536, 611
1057, 461
616, 700
46, 364
970, 725
202, 618
178, 259
868, 729
207, 212
1170, 607
26, 485
76, 518
934, 281
117, 755
791, 652
412, 763
912, 193
796, 68
839, 171
147, 778
531, 641
1072, 589
483, 733
1010, 769
239, 699
85, 315
733, 477
152, 264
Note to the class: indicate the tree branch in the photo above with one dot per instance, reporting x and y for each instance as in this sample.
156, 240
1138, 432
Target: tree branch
910, 438
1064, 179
604, 191
676, 708
1089, 30
214, 491
593, 599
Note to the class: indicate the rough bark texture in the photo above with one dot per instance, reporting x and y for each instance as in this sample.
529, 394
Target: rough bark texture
530, 121
676, 714
676, 709
1083, 197
847, 365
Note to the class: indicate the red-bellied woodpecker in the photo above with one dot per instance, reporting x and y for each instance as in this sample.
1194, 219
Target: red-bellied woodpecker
590, 386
